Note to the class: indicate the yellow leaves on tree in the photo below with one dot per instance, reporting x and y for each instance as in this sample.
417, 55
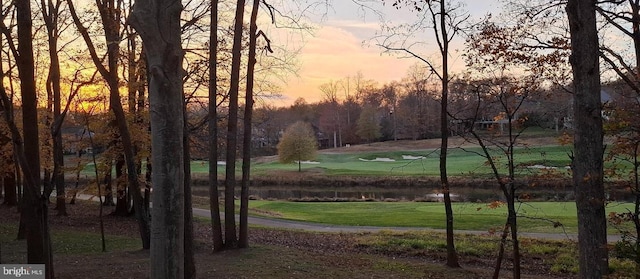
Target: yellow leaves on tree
298, 143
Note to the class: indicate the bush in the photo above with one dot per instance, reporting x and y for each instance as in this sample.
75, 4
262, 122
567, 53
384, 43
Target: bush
625, 248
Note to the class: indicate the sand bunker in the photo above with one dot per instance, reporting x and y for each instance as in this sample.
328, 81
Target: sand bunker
309, 162
409, 157
378, 160
543, 167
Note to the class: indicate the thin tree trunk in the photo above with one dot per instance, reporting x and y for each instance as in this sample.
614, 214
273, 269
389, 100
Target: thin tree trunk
452, 255
512, 219
214, 199
500, 258
50, 13
98, 184
587, 163
246, 145
232, 131
189, 261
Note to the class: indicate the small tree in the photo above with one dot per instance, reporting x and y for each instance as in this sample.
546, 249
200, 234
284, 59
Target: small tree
297, 143
368, 125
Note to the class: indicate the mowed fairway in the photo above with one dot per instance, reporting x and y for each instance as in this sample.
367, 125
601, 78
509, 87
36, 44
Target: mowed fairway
533, 216
460, 162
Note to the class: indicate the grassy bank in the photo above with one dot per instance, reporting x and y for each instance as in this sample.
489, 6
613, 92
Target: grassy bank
533, 217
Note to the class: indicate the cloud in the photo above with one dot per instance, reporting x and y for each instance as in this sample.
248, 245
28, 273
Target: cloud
334, 53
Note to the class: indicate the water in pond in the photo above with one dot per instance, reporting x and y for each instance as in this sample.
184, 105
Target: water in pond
342, 193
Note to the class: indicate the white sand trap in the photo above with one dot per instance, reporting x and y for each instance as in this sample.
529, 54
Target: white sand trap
545, 167
222, 163
409, 157
309, 162
378, 160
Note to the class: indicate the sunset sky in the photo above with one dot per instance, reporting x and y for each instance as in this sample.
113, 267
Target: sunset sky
341, 46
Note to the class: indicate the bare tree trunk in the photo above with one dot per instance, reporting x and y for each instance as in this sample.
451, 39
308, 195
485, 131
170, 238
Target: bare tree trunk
500, 258
158, 22
587, 163
232, 132
248, 115
512, 219
34, 207
214, 199
189, 261
98, 184
452, 255
50, 13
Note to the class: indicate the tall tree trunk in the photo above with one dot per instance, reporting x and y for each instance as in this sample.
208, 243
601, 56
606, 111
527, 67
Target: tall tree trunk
232, 132
50, 13
587, 163
246, 144
214, 199
34, 207
189, 261
452, 255
158, 22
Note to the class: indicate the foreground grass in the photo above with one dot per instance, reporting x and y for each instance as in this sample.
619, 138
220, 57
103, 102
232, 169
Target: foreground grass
387, 254
77, 254
67, 242
561, 255
534, 216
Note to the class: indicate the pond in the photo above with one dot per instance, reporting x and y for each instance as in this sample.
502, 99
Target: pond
299, 193
409, 193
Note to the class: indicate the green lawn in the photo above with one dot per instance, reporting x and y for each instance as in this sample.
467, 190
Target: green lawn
461, 162
534, 216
